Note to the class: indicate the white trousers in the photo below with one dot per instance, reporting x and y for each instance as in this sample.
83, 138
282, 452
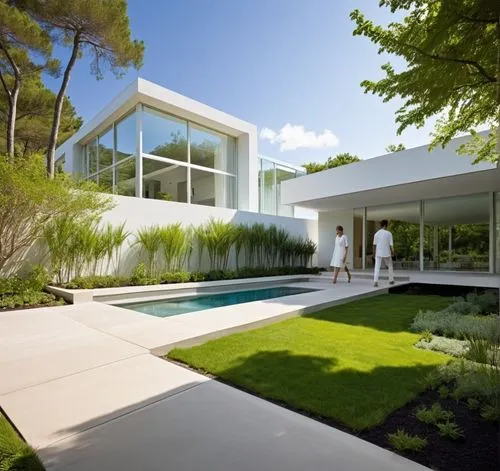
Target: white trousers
388, 263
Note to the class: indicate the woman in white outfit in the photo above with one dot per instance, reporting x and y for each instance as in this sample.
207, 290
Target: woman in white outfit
340, 255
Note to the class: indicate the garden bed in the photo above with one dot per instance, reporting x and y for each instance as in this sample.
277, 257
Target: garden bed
478, 449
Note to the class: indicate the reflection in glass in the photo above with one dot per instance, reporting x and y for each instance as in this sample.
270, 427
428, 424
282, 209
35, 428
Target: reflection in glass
164, 181
164, 135
106, 180
404, 223
106, 149
357, 238
212, 189
456, 233
268, 187
125, 133
92, 156
497, 232
125, 178
211, 149
283, 174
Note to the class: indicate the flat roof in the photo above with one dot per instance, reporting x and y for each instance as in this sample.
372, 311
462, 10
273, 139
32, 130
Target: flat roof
403, 176
163, 99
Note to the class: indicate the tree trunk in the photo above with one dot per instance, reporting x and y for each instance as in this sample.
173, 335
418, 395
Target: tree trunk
11, 119
51, 151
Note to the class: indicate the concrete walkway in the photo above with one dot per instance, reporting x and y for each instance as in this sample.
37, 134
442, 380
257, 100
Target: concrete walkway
89, 399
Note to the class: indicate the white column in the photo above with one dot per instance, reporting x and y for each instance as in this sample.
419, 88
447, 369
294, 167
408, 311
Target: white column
450, 243
189, 187
435, 246
492, 241
138, 151
363, 247
422, 233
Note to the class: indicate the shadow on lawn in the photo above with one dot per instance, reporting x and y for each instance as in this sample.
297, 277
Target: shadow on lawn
310, 384
389, 312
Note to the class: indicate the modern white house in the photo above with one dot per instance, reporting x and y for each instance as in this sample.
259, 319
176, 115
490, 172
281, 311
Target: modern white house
167, 158
152, 143
443, 210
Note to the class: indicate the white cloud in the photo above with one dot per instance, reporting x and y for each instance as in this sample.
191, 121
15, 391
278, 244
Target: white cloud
295, 136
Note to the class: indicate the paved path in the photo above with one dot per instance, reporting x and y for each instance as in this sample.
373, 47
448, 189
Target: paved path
89, 400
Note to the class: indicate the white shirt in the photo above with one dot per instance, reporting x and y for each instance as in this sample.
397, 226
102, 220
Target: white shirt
383, 242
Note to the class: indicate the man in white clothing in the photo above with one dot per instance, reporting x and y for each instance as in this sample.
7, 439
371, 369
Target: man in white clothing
383, 249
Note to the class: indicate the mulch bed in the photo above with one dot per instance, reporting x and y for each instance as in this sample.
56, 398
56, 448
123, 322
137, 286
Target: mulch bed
478, 450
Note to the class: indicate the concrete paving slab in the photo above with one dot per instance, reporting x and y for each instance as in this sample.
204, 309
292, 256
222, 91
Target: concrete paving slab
58, 409
215, 427
39, 345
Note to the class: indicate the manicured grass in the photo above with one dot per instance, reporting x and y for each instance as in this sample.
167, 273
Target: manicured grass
16, 455
353, 363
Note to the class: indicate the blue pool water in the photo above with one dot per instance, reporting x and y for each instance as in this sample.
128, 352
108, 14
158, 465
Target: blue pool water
173, 307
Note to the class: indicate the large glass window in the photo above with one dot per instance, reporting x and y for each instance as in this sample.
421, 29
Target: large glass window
164, 136
357, 238
125, 132
211, 149
105, 149
125, 178
92, 156
105, 180
497, 232
283, 174
456, 233
404, 223
268, 188
212, 189
164, 181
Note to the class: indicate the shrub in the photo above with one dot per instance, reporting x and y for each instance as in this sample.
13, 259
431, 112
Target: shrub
141, 276
175, 277
197, 277
454, 325
487, 302
91, 282
473, 403
29, 200
453, 347
426, 336
402, 441
450, 430
444, 392
434, 415
463, 308
491, 412
479, 351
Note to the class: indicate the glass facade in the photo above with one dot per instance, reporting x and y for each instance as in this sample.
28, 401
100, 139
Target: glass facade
449, 234
181, 161
271, 176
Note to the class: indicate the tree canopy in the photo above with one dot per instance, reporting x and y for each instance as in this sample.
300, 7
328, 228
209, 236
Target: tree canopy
35, 109
340, 159
97, 28
452, 52
395, 148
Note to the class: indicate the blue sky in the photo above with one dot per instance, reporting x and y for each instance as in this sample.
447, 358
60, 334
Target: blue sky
289, 65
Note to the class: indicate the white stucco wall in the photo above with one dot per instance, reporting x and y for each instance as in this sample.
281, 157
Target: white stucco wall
327, 222
137, 213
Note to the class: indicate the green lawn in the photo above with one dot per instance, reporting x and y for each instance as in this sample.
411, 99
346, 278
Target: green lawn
15, 455
353, 363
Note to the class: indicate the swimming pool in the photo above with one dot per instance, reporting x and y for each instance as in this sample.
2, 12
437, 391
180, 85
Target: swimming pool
175, 307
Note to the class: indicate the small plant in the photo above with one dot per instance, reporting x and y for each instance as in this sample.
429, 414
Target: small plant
444, 392
434, 415
402, 441
426, 336
473, 403
450, 430
491, 412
